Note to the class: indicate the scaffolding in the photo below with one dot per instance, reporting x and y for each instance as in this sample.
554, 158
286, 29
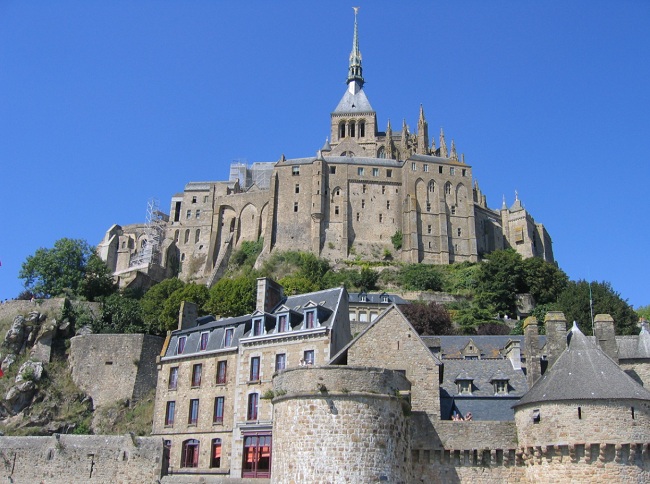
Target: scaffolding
259, 173
154, 229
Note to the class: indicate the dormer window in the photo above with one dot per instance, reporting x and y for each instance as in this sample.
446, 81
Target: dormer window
227, 337
500, 387
464, 387
180, 346
283, 323
204, 341
363, 298
258, 326
384, 298
310, 317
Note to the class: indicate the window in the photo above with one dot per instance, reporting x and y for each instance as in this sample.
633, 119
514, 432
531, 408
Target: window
363, 297
217, 418
363, 204
460, 232
389, 173
257, 326
363, 316
383, 189
283, 323
173, 378
501, 387
309, 357
188, 214
204, 341
428, 206
336, 210
375, 172
297, 187
381, 152
169, 414
193, 199
579, 413
464, 172
465, 387
448, 188
432, 186
309, 319
227, 338
295, 170
373, 315
180, 346
358, 216
332, 170
384, 298
337, 192
190, 453
222, 368
187, 236
360, 171
429, 244
351, 130
198, 213
197, 235
280, 361
440, 169
196, 375
428, 229
536, 416
193, 416
342, 129
425, 168
215, 460
257, 456
255, 369
381, 218
362, 129
452, 170
205, 199
388, 204
364, 188
414, 167
453, 209
253, 399
353, 316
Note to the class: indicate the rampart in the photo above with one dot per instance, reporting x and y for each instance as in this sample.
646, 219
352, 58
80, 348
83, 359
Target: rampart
111, 367
64, 459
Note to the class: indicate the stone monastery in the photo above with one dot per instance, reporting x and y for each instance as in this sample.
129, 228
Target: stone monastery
362, 187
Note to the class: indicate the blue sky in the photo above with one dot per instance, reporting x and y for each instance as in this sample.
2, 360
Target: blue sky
104, 105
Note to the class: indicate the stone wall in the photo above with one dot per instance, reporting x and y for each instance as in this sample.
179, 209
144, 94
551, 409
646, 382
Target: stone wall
81, 458
639, 370
323, 432
111, 367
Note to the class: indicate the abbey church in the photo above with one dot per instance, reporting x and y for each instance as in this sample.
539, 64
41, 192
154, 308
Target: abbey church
349, 199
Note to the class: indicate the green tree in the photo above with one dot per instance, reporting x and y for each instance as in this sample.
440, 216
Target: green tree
543, 280
98, 281
428, 318
366, 279
574, 303
232, 297
421, 277
472, 317
195, 293
66, 268
120, 314
298, 284
153, 302
643, 312
499, 279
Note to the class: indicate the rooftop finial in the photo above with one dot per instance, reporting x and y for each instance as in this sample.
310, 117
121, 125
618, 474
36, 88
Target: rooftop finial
355, 77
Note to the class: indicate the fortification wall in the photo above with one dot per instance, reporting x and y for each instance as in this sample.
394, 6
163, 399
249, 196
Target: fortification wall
62, 459
616, 421
111, 367
340, 425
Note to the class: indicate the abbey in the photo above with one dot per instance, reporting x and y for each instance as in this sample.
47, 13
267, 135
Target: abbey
361, 188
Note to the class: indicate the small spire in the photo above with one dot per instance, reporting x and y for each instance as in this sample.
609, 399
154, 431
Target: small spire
355, 74
326, 146
443, 144
454, 155
462, 157
503, 205
433, 145
422, 114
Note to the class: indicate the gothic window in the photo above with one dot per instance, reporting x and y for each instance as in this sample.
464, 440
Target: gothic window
197, 235
169, 413
448, 188
362, 129
342, 129
190, 453
255, 369
193, 416
381, 152
173, 378
222, 370
215, 461
196, 375
187, 235
351, 129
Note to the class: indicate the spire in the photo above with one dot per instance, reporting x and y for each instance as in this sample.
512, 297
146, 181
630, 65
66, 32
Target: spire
355, 75
443, 144
453, 155
423, 134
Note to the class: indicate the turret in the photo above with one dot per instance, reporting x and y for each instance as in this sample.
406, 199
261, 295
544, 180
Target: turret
443, 144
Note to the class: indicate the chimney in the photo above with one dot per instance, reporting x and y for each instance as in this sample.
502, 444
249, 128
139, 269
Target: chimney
555, 323
531, 350
187, 315
513, 353
269, 294
605, 335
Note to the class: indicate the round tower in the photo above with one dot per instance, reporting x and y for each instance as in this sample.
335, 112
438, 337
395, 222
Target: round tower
340, 424
587, 412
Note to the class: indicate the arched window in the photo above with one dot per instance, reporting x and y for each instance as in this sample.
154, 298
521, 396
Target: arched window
381, 152
362, 129
448, 188
190, 453
215, 460
432, 186
351, 129
197, 235
176, 235
187, 236
342, 129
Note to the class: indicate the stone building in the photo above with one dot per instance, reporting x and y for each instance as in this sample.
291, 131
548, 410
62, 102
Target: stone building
361, 188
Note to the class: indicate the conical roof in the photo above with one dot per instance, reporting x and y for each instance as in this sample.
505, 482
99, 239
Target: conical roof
583, 372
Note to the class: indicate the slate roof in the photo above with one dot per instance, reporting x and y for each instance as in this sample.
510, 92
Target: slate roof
490, 346
376, 298
583, 372
482, 403
634, 347
354, 103
326, 303
345, 160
